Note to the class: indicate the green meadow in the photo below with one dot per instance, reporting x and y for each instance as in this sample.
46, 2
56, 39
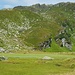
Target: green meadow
25, 33
33, 64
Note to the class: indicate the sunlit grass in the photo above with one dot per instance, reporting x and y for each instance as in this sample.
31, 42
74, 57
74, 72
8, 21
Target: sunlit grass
32, 64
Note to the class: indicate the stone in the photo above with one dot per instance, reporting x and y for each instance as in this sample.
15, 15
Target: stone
63, 41
1, 49
69, 46
2, 58
47, 58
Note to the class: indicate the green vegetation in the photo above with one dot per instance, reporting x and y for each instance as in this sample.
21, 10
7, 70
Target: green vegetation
29, 33
32, 64
25, 27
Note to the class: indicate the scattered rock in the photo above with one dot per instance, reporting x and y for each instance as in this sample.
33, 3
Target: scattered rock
1, 49
45, 44
47, 58
2, 58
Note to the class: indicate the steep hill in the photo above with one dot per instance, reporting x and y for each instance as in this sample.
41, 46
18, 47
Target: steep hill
43, 27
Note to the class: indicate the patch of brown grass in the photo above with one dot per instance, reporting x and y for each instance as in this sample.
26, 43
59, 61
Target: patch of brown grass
69, 73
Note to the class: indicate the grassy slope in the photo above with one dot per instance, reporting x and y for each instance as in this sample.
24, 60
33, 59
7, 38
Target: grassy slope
42, 26
61, 13
40, 30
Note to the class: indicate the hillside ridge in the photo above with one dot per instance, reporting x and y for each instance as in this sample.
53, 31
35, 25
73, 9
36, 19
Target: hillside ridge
38, 27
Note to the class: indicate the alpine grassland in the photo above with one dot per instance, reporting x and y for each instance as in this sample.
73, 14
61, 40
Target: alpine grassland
26, 27
63, 63
38, 40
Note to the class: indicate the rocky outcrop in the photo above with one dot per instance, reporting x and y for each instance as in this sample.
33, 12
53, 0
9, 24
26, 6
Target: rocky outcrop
64, 43
45, 44
68, 45
2, 58
2, 50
